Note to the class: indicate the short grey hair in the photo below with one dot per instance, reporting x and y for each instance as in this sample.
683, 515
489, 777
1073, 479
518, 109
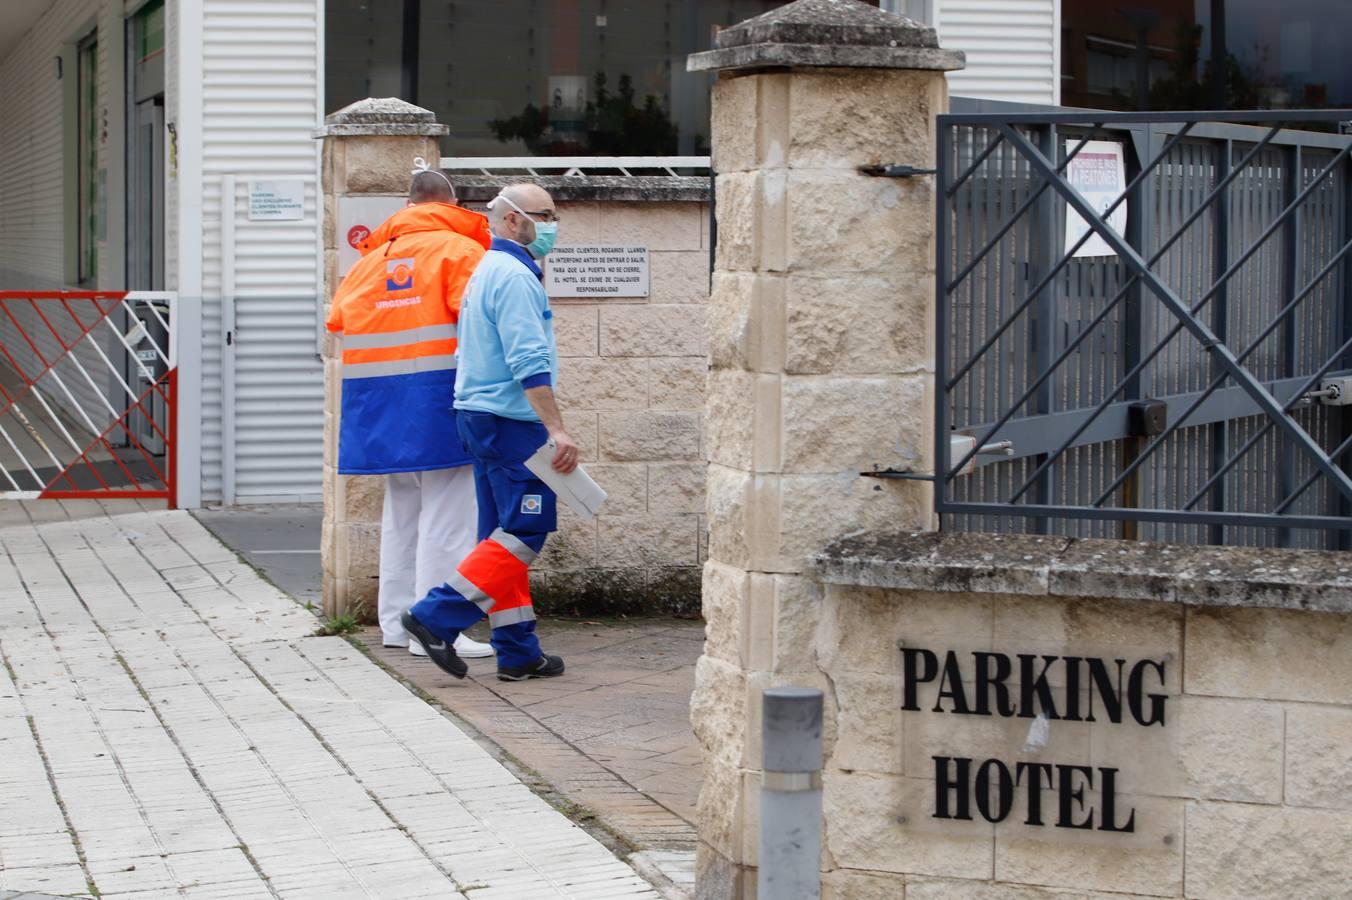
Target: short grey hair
497, 212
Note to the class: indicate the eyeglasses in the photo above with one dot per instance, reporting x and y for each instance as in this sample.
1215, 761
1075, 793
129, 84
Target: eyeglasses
547, 215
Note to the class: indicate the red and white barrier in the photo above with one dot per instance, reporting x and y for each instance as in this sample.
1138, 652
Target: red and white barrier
87, 395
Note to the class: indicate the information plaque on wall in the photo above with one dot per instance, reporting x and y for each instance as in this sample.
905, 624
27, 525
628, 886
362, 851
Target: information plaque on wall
276, 201
600, 271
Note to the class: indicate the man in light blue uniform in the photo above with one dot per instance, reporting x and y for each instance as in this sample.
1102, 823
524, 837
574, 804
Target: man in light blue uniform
504, 401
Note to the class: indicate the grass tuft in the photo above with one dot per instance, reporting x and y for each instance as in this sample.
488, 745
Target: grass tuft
346, 623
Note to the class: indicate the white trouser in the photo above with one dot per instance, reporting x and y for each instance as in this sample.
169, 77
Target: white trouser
429, 525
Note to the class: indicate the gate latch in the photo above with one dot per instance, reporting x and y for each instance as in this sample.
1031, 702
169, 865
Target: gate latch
1147, 418
895, 170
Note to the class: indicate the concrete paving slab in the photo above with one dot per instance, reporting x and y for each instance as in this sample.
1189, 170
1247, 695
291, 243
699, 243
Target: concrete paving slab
178, 731
611, 736
282, 541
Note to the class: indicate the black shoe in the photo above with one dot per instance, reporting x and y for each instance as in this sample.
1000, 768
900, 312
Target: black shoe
439, 651
544, 667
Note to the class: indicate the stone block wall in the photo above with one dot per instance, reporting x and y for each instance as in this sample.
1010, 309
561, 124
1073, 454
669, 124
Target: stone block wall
368, 151
632, 379
821, 371
631, 388
1245, 791
821, 348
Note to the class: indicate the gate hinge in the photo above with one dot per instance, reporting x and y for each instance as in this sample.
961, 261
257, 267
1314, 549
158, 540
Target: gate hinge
895, 170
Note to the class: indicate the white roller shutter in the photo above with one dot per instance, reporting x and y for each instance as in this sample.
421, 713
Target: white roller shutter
261, 99
1012, 47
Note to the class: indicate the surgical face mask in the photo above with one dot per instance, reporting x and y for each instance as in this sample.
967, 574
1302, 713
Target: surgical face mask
545, 233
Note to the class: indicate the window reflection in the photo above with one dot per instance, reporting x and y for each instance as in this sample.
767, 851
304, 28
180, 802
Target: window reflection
1206, 54
537, 77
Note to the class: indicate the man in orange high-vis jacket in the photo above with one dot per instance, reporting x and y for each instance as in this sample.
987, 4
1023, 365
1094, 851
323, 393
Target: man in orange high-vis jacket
397, 310
506, 411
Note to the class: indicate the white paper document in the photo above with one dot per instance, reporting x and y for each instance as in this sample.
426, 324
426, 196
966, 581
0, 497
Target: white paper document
576, 488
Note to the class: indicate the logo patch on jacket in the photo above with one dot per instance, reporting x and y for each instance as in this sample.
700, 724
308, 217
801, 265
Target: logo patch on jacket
532, 504
399, 275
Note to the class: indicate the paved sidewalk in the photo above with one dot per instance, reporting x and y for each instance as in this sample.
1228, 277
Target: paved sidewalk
282, 540
169, 729
612, 735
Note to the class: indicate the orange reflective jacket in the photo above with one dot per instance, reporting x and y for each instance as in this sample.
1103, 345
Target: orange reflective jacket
397, 311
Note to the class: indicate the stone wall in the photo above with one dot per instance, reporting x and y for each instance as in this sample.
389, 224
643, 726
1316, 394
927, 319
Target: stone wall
820, 370
821, 352
821, 357
368, 150
1244, 791
631, 386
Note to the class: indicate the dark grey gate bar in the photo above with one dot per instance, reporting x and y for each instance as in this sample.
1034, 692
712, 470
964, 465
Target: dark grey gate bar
1218, 320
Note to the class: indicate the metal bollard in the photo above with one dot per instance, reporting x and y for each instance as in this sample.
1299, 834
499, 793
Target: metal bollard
791, 795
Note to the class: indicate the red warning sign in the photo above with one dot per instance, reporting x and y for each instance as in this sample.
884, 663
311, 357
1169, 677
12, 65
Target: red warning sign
358, 219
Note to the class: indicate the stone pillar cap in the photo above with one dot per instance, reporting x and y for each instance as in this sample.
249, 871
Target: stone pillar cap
835, 33
381, 116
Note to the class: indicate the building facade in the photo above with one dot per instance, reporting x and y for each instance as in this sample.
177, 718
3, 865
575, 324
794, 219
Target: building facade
125, 123
140, 134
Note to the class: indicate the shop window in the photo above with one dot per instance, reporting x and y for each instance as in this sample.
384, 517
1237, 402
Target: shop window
1111, 67
540, 77
1217, 54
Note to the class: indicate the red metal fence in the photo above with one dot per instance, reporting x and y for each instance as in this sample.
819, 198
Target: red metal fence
88, 396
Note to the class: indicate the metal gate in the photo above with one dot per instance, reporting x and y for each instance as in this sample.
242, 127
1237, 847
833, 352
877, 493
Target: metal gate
1191, 384
87, 395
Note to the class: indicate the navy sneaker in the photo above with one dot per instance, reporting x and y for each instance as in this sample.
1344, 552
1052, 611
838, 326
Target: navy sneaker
544, 667
440, 652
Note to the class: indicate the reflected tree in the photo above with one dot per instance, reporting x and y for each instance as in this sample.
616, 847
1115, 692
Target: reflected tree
1188, 84
615, 124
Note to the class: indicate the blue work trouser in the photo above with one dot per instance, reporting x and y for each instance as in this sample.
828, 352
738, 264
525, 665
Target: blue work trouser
516, 514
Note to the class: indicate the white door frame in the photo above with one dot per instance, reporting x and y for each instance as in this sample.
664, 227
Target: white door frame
184, 58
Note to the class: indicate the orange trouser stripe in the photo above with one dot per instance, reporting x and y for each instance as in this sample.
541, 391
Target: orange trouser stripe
497, 572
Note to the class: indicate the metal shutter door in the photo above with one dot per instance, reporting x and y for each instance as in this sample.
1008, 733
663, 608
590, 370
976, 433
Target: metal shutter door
261, 100
1012, 48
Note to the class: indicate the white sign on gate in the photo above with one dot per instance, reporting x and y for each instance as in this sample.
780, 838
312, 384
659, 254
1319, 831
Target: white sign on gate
1100, 175
357, 218
276, 201
600, 271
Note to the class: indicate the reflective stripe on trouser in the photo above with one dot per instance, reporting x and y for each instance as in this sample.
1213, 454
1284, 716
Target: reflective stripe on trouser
494, 580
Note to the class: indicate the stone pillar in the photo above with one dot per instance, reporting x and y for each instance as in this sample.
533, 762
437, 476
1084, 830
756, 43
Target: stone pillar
369, 148
820, 331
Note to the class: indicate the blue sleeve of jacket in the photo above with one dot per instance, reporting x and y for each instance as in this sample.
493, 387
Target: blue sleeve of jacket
521, 329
